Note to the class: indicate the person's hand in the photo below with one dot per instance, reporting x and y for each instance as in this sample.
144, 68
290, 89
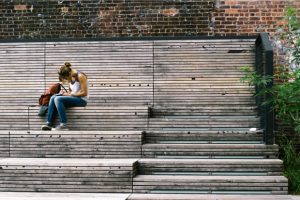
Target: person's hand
66, 94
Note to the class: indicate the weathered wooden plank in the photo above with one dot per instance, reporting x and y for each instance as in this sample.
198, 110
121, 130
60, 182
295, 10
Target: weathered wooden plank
210, 166
206, 197
99, 118
204, 136
62, 196
151, 183
209, 150
4, 143
76, 143
53, 176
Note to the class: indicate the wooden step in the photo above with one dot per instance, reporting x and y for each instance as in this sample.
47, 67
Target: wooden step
90, 118
209, 151
203, 136
207, 197
210, 184
4, 144
61, 196
211, 167
205, 122
84, 144
106, 118
134, 196
204, 111
66, 175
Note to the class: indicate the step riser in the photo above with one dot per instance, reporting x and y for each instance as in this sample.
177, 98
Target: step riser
116, 144
212, 170
40, 175
203, 136
209, 189
218, 184
206, 197
208, 151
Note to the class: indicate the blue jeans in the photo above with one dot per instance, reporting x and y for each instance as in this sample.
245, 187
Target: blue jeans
58, 103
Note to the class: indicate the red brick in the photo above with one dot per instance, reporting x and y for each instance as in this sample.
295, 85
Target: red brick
231, 11
231, 2
20, 7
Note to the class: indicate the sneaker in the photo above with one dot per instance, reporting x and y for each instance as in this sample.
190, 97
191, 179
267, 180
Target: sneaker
46, 127
61, 127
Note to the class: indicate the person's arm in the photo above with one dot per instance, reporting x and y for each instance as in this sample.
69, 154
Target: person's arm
83, 83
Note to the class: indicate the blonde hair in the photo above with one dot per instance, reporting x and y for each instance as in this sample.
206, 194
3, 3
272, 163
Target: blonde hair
64, 71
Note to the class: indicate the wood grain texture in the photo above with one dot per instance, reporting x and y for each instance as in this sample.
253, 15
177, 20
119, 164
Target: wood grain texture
66, 175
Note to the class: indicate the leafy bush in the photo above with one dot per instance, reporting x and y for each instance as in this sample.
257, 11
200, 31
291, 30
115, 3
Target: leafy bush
285, 94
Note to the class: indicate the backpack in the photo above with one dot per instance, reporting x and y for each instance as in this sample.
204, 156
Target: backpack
45, 98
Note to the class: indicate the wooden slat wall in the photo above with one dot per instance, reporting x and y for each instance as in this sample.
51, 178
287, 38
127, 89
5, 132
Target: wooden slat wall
21, 73
211, 167
209, 123
92, 117
203, 136
66, 175
204, 110
213, 184
175, 74
74, 144
4, 144
210, 150
21, 81
206, 197
119, 72
183, 68
205, 72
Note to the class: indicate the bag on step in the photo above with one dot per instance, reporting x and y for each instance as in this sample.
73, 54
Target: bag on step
45, 98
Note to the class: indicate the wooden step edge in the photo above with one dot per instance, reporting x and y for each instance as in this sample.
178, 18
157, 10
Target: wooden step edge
202, 132
62, 196
231, 146
71, 132
69, 161
208, 197
209, 179
158, 161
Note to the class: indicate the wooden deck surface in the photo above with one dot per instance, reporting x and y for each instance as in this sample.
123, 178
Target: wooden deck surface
62, 196
128, 196
180, 100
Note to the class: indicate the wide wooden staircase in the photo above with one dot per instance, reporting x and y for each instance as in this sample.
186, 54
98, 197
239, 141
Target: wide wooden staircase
169, 119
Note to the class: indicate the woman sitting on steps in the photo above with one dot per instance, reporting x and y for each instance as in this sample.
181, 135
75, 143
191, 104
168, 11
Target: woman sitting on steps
75, 97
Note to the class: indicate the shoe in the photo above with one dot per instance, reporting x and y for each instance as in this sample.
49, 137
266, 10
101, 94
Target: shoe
61, 127
46, 127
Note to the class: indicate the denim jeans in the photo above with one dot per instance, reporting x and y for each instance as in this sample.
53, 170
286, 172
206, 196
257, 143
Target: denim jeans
58, 103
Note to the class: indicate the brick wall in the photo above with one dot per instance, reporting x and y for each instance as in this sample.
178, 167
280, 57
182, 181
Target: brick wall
244, 17
104, 18
25, 19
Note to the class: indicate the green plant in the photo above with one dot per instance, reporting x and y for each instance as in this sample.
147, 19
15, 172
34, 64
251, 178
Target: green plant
291, 163
286, 100
285, 94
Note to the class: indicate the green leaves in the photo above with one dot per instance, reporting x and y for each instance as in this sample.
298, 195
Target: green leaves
285, 96
254, 79
291, 17
285, 100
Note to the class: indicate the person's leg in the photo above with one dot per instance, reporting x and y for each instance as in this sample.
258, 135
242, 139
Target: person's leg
67, 101
52, 111
51, 114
